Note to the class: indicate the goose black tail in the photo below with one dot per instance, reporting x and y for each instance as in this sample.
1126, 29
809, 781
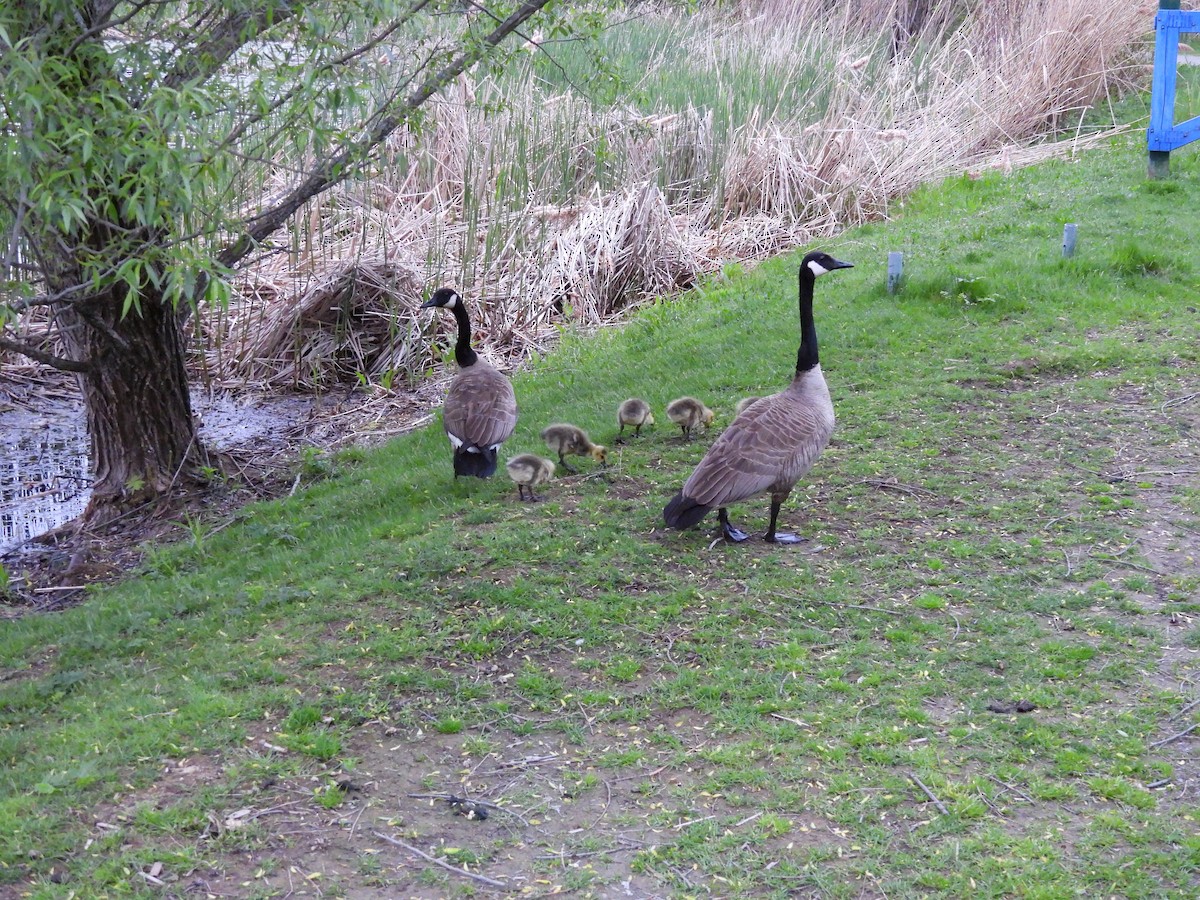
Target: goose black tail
684, 512
476, 462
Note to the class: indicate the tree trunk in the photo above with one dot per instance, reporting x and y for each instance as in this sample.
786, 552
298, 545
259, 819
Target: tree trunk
139, 412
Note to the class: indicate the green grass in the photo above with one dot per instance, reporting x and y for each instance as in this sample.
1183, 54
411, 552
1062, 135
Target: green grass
755, 719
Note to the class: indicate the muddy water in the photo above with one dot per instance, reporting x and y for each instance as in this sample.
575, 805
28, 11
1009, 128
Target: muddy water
44, 479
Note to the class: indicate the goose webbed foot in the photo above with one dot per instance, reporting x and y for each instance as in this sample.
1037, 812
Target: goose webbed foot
783, 537
730, 531
779, 537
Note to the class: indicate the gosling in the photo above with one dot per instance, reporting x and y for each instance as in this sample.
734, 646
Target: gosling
527, 471
689, 413
744, 404
563, 439
636, 412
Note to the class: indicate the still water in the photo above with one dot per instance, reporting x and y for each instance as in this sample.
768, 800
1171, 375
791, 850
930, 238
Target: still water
44, 479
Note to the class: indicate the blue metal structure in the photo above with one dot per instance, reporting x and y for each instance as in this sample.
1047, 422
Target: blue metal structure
1164, 135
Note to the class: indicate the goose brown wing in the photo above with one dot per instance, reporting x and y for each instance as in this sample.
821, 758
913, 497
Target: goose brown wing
481, 408
772, 443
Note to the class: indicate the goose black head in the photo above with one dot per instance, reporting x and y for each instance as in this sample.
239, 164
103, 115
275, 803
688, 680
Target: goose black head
447, 298
818, 263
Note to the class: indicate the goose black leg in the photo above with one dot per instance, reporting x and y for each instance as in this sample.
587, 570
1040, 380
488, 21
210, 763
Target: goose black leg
532, 498
567, 467
731, 532
779, 537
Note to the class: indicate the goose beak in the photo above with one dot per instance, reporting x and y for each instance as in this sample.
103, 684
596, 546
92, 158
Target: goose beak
839, 264
428, 304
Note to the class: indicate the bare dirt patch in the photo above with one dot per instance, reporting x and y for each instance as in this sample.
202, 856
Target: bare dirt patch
536, 814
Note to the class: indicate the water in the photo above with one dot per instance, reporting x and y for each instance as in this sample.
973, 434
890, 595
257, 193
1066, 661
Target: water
44, 478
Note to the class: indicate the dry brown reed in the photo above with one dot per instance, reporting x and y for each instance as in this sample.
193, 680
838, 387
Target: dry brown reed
538, 207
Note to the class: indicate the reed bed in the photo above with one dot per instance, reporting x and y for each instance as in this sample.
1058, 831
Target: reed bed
548, 194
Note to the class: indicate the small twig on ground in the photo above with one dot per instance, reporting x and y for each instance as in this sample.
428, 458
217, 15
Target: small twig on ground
797, 722
649, 774
747, 820
890, 612
892, 484
1162, 782
692, 822
1187, 709
441, 862
1132, 476
1011, 787
1175, 737
520, 763
607, 804
1180, 400
930, 794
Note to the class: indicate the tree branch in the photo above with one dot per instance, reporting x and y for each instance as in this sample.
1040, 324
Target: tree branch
226, 39
49, 359
346, 58
338, 167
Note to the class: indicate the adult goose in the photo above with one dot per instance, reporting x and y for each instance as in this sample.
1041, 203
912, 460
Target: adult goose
480, 410
773, 442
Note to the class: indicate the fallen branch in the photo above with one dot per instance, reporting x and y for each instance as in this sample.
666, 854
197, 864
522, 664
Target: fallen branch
441, 862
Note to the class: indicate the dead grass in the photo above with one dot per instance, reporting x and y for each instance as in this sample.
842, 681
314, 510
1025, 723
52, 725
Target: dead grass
500, 194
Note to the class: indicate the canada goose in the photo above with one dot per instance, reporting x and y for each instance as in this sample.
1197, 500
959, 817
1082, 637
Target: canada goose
772, 443
480, 411
689, 413
527, 471
744, 404
636, 412
563, 438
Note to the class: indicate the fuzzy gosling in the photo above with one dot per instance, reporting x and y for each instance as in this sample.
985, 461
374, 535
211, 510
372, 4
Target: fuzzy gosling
564, 439
636, 412
527, 471
744, 404
689, 413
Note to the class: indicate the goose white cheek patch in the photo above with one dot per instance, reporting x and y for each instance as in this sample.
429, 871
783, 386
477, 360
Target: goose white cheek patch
816, 268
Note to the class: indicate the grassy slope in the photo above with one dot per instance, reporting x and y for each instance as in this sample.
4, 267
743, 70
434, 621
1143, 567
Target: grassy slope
967, 548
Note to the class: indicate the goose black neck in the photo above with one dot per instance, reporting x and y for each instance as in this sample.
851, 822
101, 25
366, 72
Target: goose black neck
463, 354
806, 356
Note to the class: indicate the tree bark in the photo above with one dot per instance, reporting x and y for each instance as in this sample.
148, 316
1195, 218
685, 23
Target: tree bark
139, 411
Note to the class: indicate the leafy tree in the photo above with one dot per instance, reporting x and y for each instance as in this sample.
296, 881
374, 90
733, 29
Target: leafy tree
132, 137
